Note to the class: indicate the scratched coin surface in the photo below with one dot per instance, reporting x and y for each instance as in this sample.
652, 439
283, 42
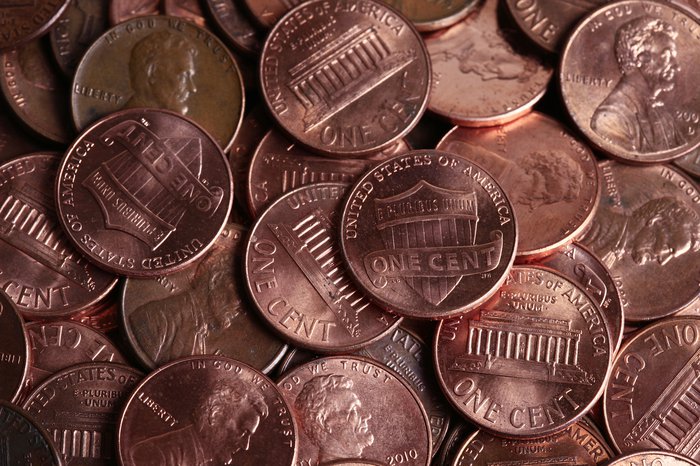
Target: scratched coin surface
207, 410
79, 407
646, 230
482, 75
639, 101
343, 79
340, 415
202, 309
652, 399
656, 458
530, 361
24, 20
233, 22
14, 351
143, 192
431, 15
550, 176
428, 234
161, 62
123, 10
24, 441
298, 280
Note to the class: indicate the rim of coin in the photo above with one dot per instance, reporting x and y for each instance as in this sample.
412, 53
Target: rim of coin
41, 433
435, 18
14, 347
633, 459
40, 18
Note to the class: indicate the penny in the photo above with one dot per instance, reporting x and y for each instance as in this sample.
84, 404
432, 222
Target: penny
354, 463
161, 62
452, 445
14, 351
79, 407
294, 358
690, 163
24, 20
23, 440
278, 165
692, 309
340, 416
549, 175
186, 9
238, 30
480, 76
268, 12
143, 192
431, 15
342, 80
297, 278
35, 92
207, 409
437, 236
121, 11
79, 26
638, 103
651, 400
529, 362
102, 317
646, 230
199, 310
656, 458
14, 139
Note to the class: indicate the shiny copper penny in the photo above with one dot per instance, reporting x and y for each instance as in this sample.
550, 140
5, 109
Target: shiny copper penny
431, 15
24, 20
207, 410
653, 396
14, 351
79, 407
143, 192
529, 362
655, 458
267, 12
200, 310
233, 22
32, 87
123, 10
690, 163
638, 103
479, 78
297, 277
103, 318
549, 175
161, 62
646, 230
692, 309
186, 9
23, 440
428, 234
350, 407
278, 165
345, 80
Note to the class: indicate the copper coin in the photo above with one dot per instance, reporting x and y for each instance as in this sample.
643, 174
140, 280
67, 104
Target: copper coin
582, 266
297, 277
102, 318
343, 80
233, 22
14, 351
459, 431
690, 163
79, 26
639, 102
24, 442
480, 78
42, 272
549, 175
185, 9
32, 87
24, 20
646, 230
278, 165
268, 12
353, 408
437, 236
431, 15
121, 11
79, 407
530, 361
14, 139
653, 458
143, 192
55, 346
161, 62
692, 309
653, 396
200, 310
207, 410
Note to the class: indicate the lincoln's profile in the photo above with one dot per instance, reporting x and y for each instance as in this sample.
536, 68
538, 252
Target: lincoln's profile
633, 116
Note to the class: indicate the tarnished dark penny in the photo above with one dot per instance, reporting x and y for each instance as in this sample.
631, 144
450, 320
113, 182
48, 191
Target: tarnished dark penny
653, 458
428, 234
530, 361
186, 9
14, 351
690, 163
79, 26
207, 410
479, 78
431, 15
345, 80
23, 440
143, 192
267, 12
459, 431
652, 400
79, 407
351, 407
24, 20
278, 165
298, 280
161, 62
200, 310
238, 30
42, 272
639, 102
549, 175
35, 92
123, 10
646, 230
14, 139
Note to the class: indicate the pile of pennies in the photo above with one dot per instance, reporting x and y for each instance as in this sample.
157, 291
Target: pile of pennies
349, 232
